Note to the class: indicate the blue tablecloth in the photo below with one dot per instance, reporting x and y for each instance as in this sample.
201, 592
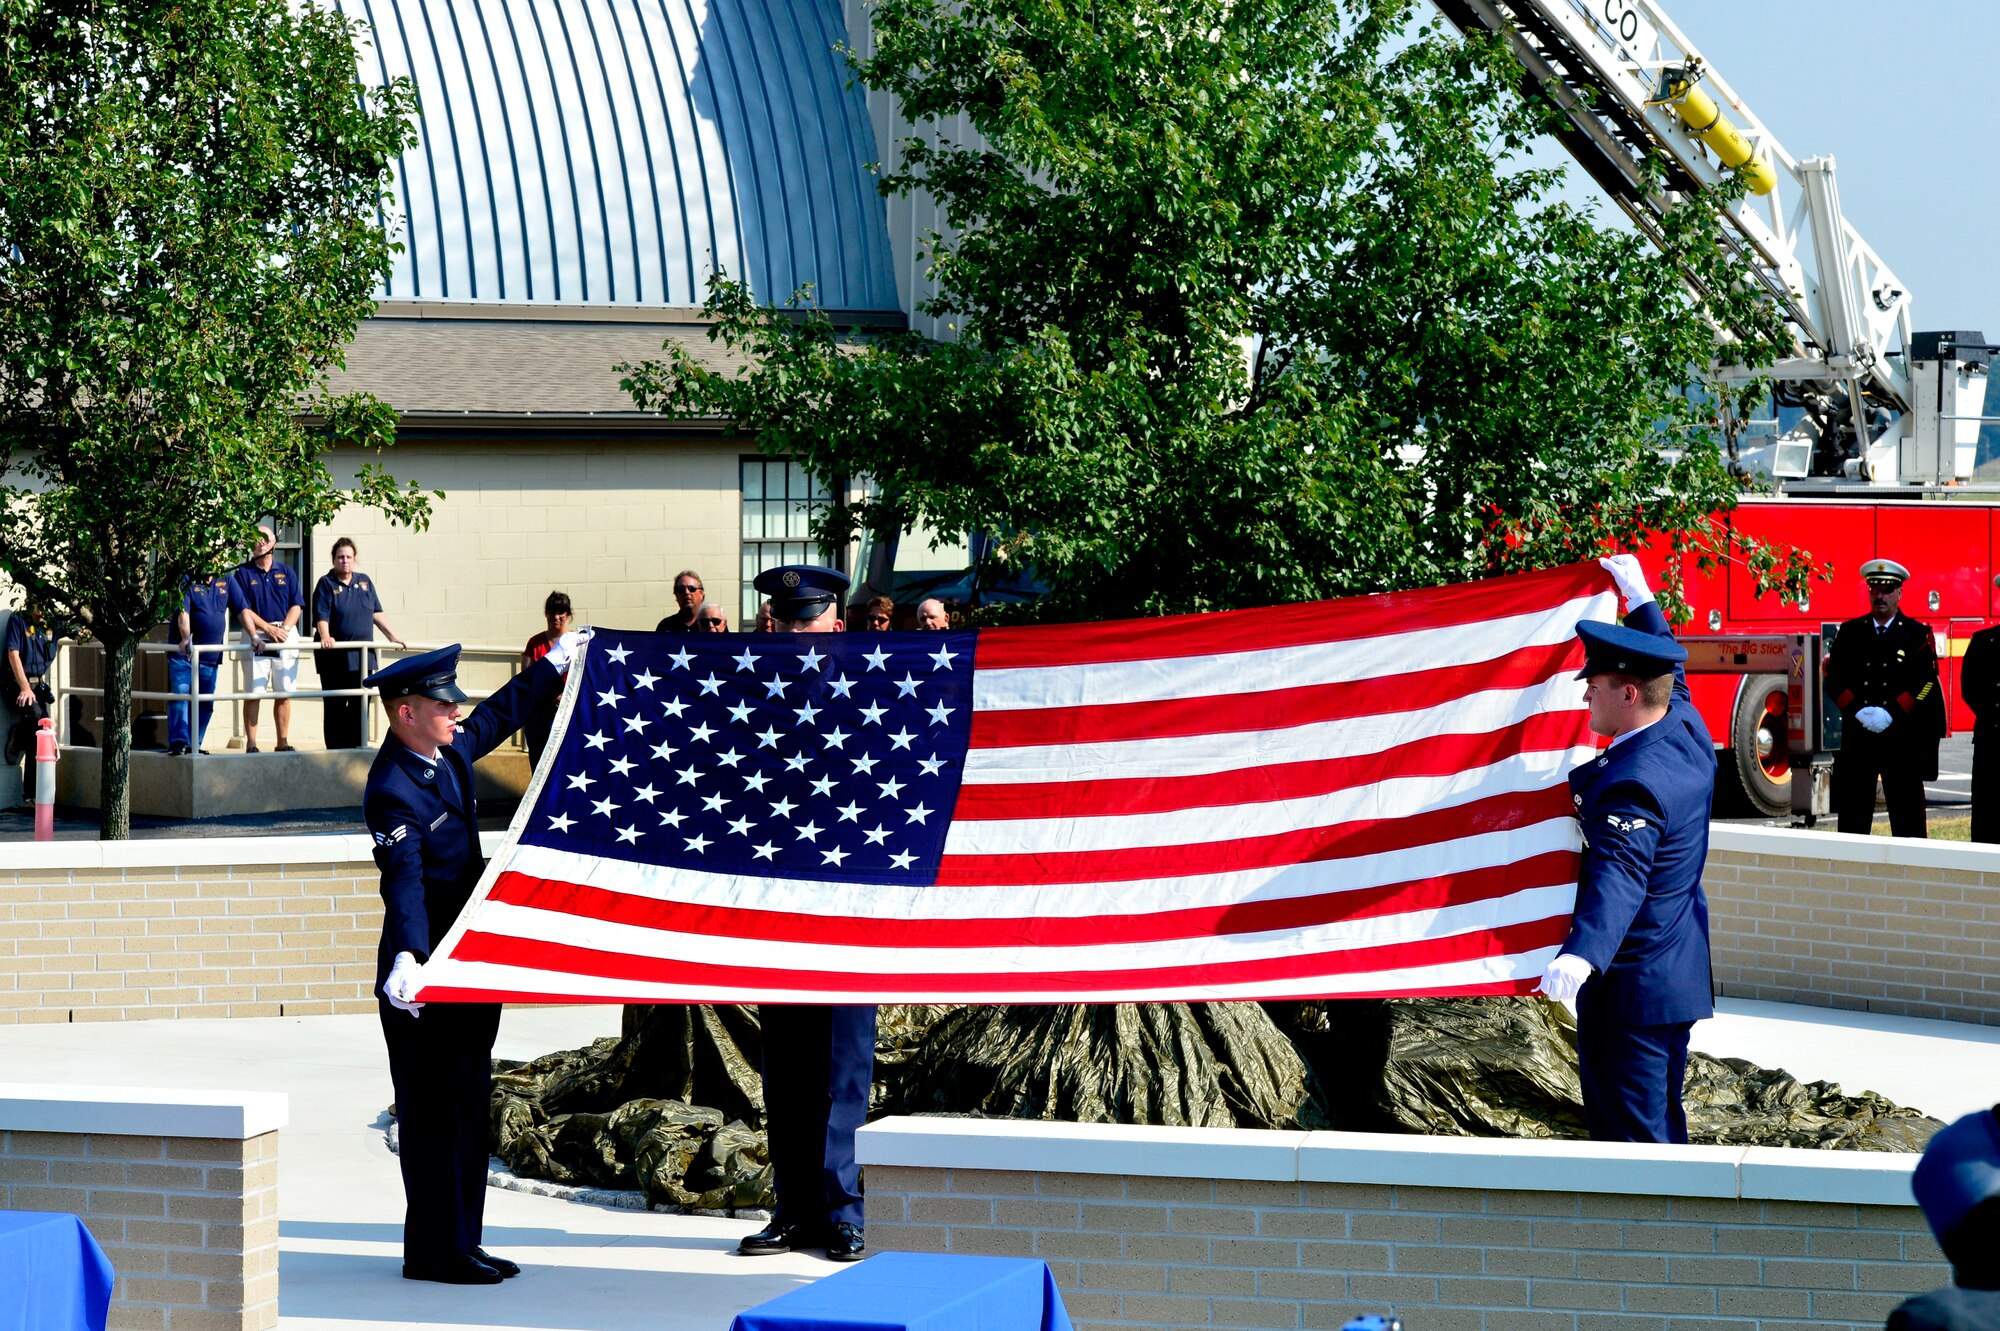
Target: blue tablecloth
908, 1291
53, 1276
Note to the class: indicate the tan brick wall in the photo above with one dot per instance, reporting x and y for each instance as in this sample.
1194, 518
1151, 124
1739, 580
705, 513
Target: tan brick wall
609, 522
1177, 1252
197, 941
1920, 940
190, 1224
1813, 921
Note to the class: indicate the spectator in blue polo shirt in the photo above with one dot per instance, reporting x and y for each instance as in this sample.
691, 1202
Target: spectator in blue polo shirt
26, 652
346, 608
203, 621
265, 595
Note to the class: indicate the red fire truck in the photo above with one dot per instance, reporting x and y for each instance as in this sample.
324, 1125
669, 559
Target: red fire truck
1755, 659
1875, 425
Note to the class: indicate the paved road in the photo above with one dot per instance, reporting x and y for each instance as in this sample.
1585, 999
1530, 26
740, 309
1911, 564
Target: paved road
1950, 796
1953, 788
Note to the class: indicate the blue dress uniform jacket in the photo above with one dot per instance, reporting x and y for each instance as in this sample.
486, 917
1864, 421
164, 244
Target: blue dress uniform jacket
1641, 918
425, 824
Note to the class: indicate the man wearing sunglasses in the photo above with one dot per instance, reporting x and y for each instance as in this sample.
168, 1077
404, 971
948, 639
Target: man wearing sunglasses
689, 595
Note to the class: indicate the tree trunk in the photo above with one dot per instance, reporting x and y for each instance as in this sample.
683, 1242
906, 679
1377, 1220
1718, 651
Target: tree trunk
115, 793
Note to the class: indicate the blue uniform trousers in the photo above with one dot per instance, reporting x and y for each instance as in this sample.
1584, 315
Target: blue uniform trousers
441, 1063
180, 673
1632, 1077
819, 1062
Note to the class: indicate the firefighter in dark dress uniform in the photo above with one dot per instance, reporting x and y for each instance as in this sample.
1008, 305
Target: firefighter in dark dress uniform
1882, 674
419, 807
1636, 960
819, 1060
1979, 685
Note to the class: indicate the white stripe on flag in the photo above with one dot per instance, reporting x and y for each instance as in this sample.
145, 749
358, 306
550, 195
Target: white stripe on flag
1227, 673
1201, 755
546, 926
487, 977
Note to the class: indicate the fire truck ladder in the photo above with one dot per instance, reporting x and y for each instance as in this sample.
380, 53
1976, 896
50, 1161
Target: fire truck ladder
1636, 90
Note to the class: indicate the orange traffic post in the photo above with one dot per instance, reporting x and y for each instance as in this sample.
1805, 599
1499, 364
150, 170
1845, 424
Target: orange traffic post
45, 780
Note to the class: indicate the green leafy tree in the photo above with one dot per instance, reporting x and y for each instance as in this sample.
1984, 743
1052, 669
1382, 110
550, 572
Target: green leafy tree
1255, 301
191, 227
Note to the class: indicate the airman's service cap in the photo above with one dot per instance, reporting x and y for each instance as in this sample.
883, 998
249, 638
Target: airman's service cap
1613, 649
431, 674
801, 591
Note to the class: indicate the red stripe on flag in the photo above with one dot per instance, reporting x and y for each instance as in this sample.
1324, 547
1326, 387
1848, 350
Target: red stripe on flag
1371, 836
447, 993
1346, 620
1265, 709
1434, 755
527, 954
1248, 917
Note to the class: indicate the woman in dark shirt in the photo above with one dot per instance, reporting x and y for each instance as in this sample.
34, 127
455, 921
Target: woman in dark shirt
346, 608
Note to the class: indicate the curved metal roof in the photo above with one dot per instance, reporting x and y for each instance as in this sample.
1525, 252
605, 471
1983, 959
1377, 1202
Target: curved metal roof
586, 152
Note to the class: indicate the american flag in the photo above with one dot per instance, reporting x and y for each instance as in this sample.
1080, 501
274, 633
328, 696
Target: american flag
1356, 797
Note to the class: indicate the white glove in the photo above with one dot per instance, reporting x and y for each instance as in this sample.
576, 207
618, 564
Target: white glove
1629, 578
405, 978
563, 650
1564, 977
1874, 720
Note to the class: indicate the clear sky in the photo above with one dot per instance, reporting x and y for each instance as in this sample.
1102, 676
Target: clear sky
1899, 93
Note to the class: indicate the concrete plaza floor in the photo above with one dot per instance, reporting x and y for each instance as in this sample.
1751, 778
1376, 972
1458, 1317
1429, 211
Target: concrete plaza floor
592, 1268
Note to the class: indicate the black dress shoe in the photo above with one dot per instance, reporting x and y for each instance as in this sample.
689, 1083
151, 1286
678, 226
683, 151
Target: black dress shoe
775, 1238
845, 1244
507, 1269
454, 1271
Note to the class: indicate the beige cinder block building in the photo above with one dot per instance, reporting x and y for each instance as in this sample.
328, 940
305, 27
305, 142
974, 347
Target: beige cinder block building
583, 169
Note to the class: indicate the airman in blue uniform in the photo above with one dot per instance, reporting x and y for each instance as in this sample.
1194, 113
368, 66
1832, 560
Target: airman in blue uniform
419, 808
1636, 960
819, 1060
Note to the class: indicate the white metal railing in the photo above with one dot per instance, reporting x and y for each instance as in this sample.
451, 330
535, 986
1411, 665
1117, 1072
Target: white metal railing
62, 669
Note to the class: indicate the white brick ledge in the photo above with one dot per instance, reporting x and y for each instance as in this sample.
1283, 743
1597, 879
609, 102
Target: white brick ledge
1852, 848
134, 1111
1755, 1172
205, 852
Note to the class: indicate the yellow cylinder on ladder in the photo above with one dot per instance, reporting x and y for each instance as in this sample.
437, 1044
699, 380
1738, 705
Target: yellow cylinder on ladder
1698, 111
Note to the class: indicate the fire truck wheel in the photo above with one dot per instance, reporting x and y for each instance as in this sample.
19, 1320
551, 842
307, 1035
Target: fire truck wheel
1758, 752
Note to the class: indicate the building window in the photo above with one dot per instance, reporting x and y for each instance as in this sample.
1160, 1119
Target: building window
780, 505
294, 547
